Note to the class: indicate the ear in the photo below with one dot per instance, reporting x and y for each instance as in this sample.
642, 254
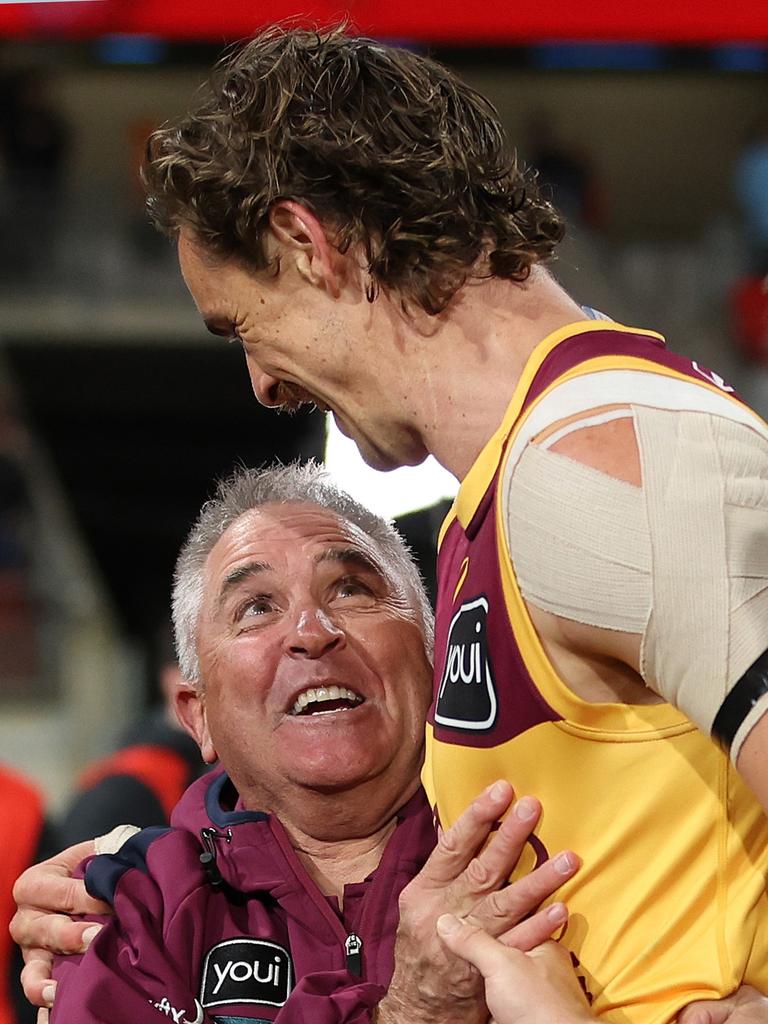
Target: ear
299, 231
190, 710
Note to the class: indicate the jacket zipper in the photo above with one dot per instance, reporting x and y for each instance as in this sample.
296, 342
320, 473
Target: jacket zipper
208, 858
353, 947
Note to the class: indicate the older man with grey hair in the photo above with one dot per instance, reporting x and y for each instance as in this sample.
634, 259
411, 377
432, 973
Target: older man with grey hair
303, 633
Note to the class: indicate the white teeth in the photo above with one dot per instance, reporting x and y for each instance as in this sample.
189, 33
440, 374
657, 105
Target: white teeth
324, 693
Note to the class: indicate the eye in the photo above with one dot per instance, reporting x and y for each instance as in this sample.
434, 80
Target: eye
256, 607
352, 587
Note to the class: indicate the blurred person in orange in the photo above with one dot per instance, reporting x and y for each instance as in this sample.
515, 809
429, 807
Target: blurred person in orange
27, 839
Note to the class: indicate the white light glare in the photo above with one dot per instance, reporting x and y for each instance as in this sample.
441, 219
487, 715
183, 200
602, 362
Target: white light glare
388, 494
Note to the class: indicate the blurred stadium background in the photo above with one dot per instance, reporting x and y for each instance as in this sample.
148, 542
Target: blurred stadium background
117, 410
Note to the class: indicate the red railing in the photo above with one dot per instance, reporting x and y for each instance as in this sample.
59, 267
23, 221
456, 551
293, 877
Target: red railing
439, 21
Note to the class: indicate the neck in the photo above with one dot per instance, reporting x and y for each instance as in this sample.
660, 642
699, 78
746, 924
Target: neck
339, 836
332, 865
475, 356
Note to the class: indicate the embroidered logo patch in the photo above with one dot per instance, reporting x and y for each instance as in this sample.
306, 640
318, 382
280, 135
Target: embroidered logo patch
466, 698
246, 971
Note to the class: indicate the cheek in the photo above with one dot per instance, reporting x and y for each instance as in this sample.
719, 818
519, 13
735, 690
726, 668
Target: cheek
409, 684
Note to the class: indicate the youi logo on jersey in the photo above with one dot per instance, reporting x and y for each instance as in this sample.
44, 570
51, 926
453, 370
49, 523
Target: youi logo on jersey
466, 698
246, 971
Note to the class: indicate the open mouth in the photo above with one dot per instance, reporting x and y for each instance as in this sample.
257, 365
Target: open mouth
292, 397
322, 700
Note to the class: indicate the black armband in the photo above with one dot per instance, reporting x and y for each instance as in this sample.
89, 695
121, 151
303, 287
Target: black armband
745, 693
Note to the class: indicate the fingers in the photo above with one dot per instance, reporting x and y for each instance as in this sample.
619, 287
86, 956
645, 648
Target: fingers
505, 908
457, 846
62, 866
474, 945
36, 976
50, 884
45, 888
38, 929
43, 1017
536, 929
494, 864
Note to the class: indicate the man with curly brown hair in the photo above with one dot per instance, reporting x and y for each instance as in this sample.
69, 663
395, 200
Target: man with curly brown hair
352, 214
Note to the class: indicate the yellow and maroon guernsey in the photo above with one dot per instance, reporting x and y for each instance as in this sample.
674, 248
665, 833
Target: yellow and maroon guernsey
670, 903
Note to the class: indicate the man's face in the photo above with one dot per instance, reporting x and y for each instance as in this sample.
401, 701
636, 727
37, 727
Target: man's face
303, 344
313, 667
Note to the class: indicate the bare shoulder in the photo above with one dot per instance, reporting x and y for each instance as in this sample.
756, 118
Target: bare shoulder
602, 438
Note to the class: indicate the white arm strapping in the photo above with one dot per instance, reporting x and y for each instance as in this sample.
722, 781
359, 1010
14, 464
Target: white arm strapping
683, 561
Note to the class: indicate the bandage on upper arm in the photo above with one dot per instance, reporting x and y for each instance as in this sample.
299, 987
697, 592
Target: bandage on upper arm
681, 560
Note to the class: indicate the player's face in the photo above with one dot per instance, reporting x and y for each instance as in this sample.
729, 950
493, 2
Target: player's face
313, 665
302, 345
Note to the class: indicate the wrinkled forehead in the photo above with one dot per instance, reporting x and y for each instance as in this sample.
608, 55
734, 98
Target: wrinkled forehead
277, 532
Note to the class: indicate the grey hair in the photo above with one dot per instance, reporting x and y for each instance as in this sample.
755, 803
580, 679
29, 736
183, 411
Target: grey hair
246, 489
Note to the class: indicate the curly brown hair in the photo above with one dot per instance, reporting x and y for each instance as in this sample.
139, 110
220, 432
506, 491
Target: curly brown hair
388, 148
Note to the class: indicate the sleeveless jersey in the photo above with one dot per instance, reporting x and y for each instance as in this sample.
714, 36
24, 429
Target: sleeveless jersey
670, 903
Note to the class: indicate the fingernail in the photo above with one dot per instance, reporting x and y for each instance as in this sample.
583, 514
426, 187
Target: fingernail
557, 912
526, 808
565, 863
90, 934
498, 790
48, 993
447, 924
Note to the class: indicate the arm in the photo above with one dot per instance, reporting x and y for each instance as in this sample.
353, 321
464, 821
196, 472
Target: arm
541, 987
688, 619
537, 987
464, 877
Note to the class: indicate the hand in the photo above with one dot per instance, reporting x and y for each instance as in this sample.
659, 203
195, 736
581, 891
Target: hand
745, 1006
430, 983
537, 987
46, 894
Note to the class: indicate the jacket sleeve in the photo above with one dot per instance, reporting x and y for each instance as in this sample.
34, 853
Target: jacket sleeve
129, 973
329, 998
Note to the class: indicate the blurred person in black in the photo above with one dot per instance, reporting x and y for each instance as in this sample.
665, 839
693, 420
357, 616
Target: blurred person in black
564, 172
144, 778
34, 141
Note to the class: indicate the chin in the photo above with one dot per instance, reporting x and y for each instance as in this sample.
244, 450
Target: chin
386, 461
332, 774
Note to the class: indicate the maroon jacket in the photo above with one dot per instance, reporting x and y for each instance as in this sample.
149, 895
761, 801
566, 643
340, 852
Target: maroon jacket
218, 921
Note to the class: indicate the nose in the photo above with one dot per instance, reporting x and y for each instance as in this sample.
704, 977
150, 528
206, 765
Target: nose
265, 387
312, 634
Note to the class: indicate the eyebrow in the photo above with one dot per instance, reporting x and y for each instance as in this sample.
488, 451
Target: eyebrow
243, 572
353, 556
349, 556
